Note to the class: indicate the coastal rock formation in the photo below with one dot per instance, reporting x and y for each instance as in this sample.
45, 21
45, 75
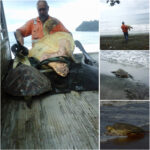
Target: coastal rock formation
88, 26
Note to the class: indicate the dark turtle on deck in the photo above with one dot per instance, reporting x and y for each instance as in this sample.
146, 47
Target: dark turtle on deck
124, 129
122, 74
26, 81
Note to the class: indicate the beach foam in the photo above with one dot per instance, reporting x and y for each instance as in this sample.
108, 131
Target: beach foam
130, 57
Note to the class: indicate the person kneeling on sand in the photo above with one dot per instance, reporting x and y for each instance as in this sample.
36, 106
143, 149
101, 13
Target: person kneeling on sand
125, 29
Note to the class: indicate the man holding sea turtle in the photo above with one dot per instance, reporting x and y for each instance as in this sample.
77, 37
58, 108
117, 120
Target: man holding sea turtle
125, 29
46, 25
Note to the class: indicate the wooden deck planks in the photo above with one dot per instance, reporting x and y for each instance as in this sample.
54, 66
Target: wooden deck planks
62, 121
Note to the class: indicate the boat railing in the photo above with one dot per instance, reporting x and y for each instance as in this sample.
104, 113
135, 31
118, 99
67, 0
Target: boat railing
4, 42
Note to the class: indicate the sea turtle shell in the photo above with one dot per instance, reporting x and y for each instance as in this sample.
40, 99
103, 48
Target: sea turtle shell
54, 45
122, 74
124, 129
26, 81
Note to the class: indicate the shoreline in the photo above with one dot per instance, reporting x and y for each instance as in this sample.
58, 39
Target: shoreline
138, 72
122, 89
126, 143
117, 42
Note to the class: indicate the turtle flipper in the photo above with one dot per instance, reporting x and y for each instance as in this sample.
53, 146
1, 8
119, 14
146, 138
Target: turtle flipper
20, 52
29, 101
88, 60
130, 76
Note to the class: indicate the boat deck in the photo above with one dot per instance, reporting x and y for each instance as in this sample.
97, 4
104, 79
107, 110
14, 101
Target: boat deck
62, 121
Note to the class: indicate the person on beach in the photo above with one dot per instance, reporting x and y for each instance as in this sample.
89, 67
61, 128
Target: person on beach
125, 29
34, 26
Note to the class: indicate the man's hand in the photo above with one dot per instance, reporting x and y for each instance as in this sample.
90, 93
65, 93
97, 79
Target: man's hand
19, 37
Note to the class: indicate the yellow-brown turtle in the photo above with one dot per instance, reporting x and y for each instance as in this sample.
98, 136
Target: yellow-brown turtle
124, 129
54, 45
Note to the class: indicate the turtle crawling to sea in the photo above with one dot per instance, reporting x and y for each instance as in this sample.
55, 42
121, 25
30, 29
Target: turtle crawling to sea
124, 129
122, 74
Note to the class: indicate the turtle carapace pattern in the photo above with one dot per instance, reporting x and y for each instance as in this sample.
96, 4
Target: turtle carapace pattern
26, 80
124, 129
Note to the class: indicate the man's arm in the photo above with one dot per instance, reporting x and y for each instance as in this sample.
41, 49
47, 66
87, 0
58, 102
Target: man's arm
24, 31
19, 37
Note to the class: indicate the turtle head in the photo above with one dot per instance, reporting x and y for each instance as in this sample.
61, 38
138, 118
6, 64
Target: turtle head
49, 25
114, 72
112, 130
109, 128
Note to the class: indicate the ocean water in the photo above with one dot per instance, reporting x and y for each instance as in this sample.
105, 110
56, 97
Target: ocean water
136, 58
90, 40
132, 112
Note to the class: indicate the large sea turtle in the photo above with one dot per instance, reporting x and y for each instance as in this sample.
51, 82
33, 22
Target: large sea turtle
26, 81
122, 74
54, 45
124, 129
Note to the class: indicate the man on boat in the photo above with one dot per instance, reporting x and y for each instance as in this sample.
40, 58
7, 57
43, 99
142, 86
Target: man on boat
125, 29
34, 27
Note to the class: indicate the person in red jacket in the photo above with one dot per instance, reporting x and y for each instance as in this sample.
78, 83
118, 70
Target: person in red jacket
125, 29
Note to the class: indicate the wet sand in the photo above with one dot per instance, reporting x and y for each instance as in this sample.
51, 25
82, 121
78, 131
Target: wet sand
126, 143
117, 42
113, 88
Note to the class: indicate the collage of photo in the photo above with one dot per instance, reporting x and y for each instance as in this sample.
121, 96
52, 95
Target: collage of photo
75, 74
124, 75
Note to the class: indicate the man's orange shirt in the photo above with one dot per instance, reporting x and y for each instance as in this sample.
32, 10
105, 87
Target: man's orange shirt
34, 27
124, 28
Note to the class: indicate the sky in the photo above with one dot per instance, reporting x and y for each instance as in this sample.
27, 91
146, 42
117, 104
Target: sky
70, 12
132, 12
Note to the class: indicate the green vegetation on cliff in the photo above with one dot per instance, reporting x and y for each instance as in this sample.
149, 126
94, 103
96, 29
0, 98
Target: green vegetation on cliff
88, 26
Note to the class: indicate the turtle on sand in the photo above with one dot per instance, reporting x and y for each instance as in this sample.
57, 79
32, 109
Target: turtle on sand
122, 74
124, 129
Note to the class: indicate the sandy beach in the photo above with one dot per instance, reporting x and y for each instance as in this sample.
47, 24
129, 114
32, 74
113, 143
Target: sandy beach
117, 42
